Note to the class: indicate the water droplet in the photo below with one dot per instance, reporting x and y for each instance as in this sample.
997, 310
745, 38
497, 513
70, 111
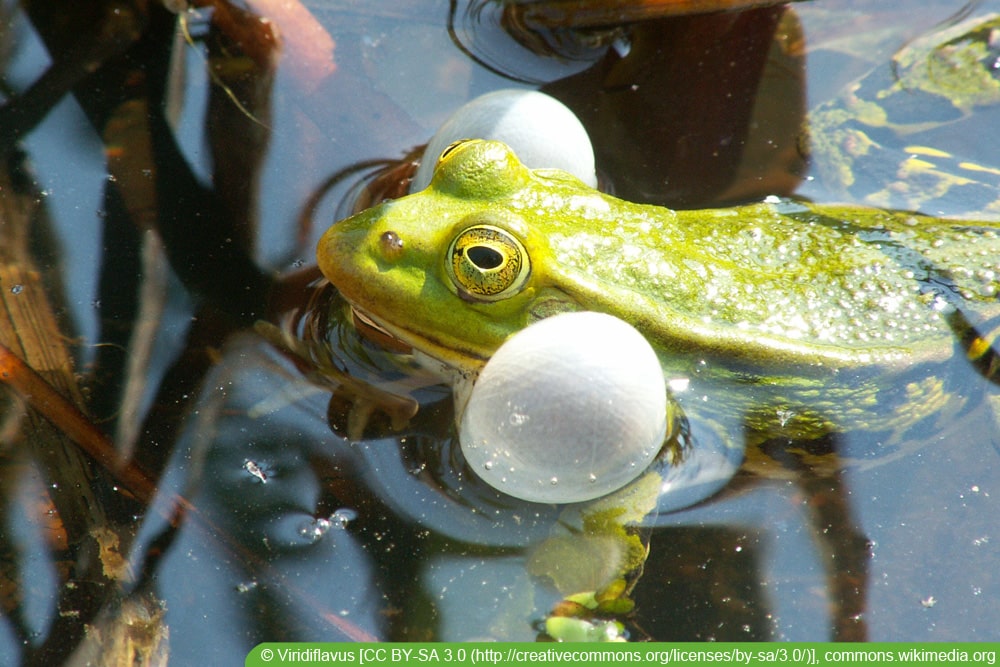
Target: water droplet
678, 385
246, 587
518, 418
488, 465
554, 481
255, 470
314, 529
592, 478
17, 289
622, 47
343, 516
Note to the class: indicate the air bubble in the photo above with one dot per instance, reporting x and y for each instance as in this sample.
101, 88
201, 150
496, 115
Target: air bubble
314, 529
246, 587
343, 516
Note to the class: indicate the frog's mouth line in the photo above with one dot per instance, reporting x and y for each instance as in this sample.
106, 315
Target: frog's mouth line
398, 339
375, 332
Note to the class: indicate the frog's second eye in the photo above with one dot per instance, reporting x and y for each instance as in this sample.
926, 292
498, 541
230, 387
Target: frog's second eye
451, 148
487, 263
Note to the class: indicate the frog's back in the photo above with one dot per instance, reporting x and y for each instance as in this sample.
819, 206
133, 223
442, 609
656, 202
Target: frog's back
776, 284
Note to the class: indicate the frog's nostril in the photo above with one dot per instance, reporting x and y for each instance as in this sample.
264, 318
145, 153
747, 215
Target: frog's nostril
391, 245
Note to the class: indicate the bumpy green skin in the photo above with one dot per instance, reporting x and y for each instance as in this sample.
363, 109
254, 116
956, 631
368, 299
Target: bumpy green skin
830, 313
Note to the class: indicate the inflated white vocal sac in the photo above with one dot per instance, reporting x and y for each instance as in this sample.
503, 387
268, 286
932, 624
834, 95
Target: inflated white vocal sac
540, 129
569, 409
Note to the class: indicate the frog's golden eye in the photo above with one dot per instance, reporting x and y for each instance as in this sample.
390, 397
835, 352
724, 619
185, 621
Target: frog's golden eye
487, 263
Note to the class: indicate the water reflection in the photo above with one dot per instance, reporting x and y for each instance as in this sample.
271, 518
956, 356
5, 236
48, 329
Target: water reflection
484, 32
686, 115
423, 561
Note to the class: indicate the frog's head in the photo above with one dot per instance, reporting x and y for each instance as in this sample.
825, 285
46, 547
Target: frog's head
455, 269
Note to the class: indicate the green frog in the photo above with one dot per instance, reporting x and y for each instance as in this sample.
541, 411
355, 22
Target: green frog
817, 318
774, 319
801, 319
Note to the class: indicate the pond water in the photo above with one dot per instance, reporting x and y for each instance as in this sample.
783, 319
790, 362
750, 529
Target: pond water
265, 522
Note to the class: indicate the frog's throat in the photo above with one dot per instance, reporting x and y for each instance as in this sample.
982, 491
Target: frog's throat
429, 352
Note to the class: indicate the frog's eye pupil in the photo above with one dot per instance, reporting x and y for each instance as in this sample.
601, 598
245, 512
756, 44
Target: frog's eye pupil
483, 257
487, 263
